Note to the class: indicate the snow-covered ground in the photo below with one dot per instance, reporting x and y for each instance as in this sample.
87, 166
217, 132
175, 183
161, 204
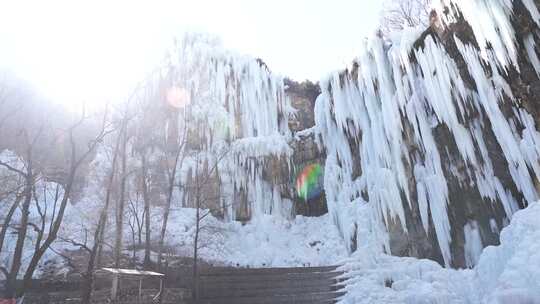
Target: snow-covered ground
274, 241
509, 273
267, 241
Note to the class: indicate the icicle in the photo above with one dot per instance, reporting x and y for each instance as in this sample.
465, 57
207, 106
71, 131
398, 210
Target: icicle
244, 109
370, 112
491, 24
473, 243
530, 46
533, 9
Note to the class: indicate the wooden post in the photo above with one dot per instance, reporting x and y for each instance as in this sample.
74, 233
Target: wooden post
160, 290
114, 290
140, 290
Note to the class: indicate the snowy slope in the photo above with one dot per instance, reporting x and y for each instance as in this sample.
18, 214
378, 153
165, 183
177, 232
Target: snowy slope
268, 241
509, 273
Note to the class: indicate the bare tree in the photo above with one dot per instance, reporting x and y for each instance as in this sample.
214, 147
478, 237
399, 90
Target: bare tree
119, 148
146, 198
13, 98
76, 161
204, 200
136, 222
88, 273
95, 252
201, 200
174, 160
7, 221
120, 204
29, 178
12, 182
399, 14
145, 143
31, 172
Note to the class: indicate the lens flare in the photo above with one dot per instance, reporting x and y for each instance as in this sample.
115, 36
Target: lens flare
178, 97
309, 182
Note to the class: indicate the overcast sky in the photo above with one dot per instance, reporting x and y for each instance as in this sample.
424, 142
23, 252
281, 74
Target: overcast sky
95, 50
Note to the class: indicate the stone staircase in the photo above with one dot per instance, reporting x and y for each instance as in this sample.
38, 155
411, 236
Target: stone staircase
313, 285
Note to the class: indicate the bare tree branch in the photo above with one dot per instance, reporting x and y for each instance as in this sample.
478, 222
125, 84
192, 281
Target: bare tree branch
13, 169
76, 243
4, 271
399, 14
66, 258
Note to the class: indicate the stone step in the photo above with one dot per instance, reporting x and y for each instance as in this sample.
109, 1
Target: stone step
227, 271
235, 292
266, 284
322, 276
304, 285
306, 298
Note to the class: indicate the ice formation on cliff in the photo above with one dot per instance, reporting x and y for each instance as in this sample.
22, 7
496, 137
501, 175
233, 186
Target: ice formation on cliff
394, 90
246, 110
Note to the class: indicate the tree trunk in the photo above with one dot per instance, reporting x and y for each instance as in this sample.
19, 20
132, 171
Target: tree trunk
166, 213
139, 234
172, 177
120, 206
95, 254
196, 255
57, 222
88, 277
88, 283
110, 184
133, 245
21, 236
163, 230
146, 198
8, 218
196, 238
53, 233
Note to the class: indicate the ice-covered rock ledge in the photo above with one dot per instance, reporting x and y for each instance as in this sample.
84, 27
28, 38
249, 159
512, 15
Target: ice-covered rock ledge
508, 273
437, 131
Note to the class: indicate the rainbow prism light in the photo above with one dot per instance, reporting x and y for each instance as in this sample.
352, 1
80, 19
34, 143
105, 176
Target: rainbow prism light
309, 182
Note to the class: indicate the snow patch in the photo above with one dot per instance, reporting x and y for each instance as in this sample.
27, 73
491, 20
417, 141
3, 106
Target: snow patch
509, 273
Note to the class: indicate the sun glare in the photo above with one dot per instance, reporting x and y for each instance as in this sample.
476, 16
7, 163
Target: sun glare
77, 52
178, 97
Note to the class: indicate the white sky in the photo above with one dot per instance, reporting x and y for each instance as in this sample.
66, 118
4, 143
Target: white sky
90, 51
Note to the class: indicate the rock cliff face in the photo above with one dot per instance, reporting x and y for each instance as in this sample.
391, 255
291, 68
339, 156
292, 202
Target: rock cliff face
281, 172
442, 123
428, 142
305, 149
466, 204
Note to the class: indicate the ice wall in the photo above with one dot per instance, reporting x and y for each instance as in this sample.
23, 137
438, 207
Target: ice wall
238, 115
389, 109
429, 128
